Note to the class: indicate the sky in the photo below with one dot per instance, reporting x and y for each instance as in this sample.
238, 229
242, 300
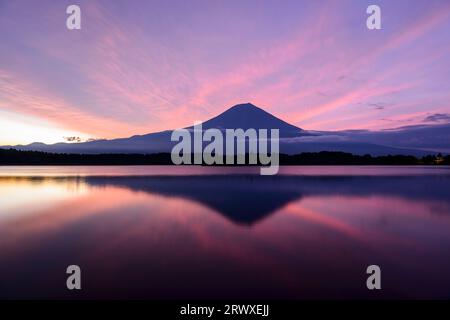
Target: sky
137, 67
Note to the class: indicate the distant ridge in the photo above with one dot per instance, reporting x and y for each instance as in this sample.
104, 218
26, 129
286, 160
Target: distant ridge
415, 140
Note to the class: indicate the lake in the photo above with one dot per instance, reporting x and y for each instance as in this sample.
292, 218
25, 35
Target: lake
164, 232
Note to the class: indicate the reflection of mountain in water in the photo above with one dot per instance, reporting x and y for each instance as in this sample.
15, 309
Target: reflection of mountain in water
249, 198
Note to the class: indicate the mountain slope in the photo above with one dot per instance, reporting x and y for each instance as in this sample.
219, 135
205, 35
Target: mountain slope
417, 141
247, 116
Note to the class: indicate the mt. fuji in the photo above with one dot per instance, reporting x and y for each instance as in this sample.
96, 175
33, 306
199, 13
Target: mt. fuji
414, 140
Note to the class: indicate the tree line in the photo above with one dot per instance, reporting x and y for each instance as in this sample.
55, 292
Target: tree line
18, 157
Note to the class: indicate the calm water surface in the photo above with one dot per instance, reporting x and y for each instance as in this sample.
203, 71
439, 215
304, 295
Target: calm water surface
196, 232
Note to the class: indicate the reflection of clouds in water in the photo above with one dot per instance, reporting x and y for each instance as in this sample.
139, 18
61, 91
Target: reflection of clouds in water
247, 199
22, 195
163, 237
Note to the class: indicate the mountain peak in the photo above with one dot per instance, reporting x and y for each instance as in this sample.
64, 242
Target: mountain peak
246, 116
244, 107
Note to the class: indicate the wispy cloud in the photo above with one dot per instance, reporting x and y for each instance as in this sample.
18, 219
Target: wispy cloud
438, 117
152, 66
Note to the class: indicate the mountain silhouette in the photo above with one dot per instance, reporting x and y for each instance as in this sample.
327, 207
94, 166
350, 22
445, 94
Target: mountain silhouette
414, 140
248, 116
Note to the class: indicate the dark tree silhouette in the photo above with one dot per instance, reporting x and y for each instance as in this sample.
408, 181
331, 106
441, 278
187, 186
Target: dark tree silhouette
17, 157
